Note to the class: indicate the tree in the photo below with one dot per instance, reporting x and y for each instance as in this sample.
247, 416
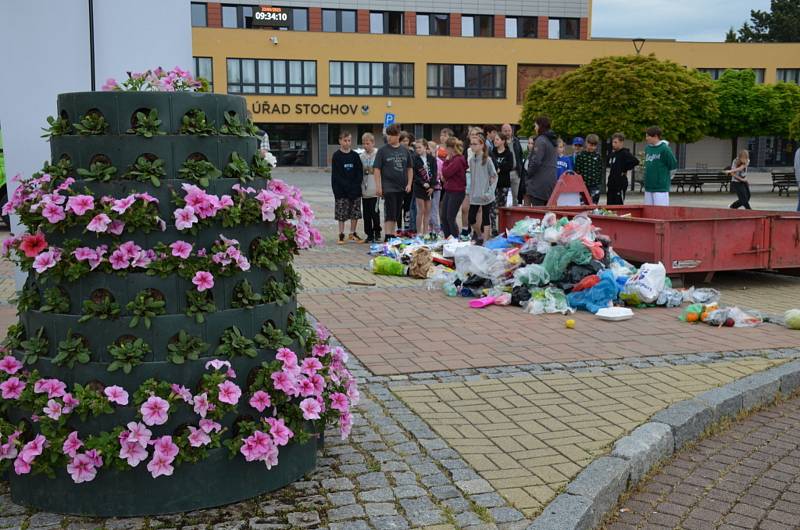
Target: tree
731, 35
794, 127
744, 107
784, 104
780, 24
625, 94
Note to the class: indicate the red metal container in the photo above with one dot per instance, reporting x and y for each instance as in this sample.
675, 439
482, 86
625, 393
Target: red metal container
687, 239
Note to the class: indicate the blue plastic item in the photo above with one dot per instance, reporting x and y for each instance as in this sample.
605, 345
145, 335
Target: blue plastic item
598, 297
498, 243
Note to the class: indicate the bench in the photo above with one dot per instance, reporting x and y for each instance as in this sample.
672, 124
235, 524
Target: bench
696, 178
783, 181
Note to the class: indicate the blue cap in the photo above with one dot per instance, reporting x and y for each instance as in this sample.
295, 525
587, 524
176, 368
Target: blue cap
578, 140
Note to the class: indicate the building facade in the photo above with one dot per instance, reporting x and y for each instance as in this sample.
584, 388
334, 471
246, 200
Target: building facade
349, 63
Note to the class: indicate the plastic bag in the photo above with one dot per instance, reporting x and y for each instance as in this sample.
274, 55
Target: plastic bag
670, 298
646, 284
549, 220
421, 263
479, 261
498, 243
525, 227
580, 227
551, 234
599, 296
451, 245
620, 267
531, 276
387, 266
520, 295
704, 295
587, 283
743, 319
440, 279
692, 313
792, 318
560, 256
549, 300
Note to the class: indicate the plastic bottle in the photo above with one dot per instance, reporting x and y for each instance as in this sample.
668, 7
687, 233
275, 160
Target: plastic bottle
450, 290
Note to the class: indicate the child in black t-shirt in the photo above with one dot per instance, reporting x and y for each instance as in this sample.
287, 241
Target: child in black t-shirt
346, 178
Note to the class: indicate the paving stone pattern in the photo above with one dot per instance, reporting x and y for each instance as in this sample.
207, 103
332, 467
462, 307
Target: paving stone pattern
745, 477
529, 435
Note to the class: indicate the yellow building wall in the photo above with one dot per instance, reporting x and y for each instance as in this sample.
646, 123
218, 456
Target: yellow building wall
324, 47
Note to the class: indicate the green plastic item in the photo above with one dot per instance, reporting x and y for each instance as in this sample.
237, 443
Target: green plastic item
387, 266
693, 309
563, 222
559, 257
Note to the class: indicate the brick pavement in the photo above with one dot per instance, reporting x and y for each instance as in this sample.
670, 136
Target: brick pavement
745, 477
406, 331
528, 436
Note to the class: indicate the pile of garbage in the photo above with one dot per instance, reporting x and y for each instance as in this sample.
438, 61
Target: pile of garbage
550, 265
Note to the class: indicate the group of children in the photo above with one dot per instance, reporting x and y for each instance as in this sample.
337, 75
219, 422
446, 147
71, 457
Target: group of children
424, 185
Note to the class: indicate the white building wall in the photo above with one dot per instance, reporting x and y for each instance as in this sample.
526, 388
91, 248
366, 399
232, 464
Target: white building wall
711, 152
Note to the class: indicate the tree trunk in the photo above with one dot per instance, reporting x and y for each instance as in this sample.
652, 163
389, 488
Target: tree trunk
734, 147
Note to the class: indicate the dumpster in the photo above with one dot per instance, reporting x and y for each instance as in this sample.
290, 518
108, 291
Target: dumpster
688, 239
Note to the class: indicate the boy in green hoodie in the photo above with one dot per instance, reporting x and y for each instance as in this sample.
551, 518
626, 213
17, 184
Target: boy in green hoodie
659, 164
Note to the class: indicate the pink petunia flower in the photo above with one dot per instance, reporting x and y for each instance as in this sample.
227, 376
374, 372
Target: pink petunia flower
217, 364
69, 403
53, 409
185, 218
198, 437
287, 356
283, 381
155, 411
72, 444
10, 365
310, 366
182, 392
53, 213
116, 227
46, 260
340, 402
138, 433
210, 425
80, 204
256, 446
52, 387
345, 424
116, 394
121, 205
305, 387
165, 446
181, 249
12, 388
260, 400
99, 223
279, 431
84, 254
311, 408
319, 383
81, 469
320, 350
201, 405
204, 280
229, 392
160, 465
132, 452
118, 260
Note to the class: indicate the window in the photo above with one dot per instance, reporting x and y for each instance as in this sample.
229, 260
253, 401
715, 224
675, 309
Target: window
199, 15
466, 81
477, 26
203, 67
237, 16
299, 19
338, 21
522, 27
371, 79
716, 73
789, 75
433, 24
388, 22
272, 76
563, 28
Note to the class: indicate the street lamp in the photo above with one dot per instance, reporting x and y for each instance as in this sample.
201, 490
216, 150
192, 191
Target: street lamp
638, 44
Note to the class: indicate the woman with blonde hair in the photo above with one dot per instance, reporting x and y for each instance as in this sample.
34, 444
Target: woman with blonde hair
739, 183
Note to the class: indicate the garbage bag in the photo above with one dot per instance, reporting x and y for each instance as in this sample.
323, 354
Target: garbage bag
451, 245
498, 243
531, 276
520, 295
387, 266
792, 318
670, 298
525, 227
646, 284
549, 300
579, 228
586, 283
691, 313
559, 257
477, 260
476, 283
532, 256
744, 319
549, 220
439, 279
597, 297
704, 295
620, 267
551, 234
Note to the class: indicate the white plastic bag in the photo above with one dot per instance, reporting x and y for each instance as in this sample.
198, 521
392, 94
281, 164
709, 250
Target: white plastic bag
479, 261
648, 283
509, 199
451, 245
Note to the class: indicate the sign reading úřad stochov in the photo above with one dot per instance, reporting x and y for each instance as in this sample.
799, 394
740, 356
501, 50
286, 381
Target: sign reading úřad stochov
272, 17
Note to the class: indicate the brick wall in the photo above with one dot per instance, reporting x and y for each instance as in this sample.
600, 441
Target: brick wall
410, 23
314, 19
542, 32
528, 73
362, 24
500, 26
214, 15
584, 29
455, 24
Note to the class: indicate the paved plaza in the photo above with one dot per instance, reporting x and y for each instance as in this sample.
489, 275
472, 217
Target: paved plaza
479, 418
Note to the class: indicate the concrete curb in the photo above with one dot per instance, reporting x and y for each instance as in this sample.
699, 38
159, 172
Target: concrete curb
596, 490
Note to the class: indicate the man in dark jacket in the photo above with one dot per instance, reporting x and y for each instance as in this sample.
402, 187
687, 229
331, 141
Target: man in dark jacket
541, 177
517, 173
620, 161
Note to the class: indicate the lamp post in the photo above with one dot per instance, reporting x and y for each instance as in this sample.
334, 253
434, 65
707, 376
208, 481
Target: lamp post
638, 44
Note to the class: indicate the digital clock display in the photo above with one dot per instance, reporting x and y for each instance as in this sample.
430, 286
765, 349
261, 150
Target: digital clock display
274, 17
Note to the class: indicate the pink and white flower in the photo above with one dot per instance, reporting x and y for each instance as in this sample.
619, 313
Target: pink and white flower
116, 227
53, 409
71, 444
202, 405
155, 411
81, 469
310, 366
121, 205
116, 394
53, 213
46, 260
52, 387
138, 433
340, 402
165, 446
12, 388
311, 408
10, 365
279, 431
198, 437
181, 249
80, 204
203, 280
260, 400
229, 392
209, 425
99, 223
133, 452
160, 465
185, 218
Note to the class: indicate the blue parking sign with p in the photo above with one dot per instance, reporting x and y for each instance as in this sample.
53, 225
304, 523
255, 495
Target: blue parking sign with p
388, 119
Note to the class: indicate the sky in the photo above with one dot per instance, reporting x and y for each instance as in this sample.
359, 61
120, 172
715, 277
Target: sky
687, 20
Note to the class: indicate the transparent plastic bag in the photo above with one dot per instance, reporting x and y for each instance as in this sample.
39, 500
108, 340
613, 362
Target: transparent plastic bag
551, 234
531, 276
670, 298
580, 227
476, 260
704, 295
440, 279
549, 220
525, 227
549, 300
